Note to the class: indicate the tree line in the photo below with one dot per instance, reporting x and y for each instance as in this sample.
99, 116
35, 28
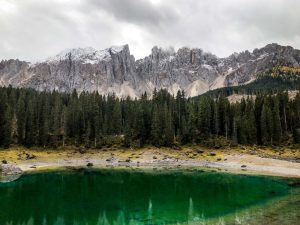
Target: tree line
264, 84
53, 119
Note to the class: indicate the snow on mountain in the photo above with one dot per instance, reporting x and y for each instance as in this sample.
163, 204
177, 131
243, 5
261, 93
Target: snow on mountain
115, 70
87, 55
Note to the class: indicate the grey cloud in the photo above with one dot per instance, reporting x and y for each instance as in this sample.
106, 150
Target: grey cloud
34, 29
141, 12
38, 29
233, 25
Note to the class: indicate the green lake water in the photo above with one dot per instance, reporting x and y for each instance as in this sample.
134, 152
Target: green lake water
121, 197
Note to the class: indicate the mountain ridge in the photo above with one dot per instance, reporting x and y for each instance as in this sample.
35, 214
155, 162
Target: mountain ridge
115, 70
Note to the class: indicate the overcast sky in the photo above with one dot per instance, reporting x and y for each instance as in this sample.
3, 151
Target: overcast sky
36, 29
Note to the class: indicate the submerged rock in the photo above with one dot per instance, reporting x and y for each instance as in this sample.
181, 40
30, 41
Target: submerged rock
294, 184
9, 172
9, 178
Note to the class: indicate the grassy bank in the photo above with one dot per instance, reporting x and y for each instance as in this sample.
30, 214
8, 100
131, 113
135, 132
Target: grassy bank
18, 153
241, 159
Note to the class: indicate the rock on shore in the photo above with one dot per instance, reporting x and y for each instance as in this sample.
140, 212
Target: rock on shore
9, 169
9, 172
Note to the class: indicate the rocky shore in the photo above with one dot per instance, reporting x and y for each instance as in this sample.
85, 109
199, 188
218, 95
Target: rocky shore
227, 160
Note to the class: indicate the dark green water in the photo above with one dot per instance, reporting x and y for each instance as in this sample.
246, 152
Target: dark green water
125, 197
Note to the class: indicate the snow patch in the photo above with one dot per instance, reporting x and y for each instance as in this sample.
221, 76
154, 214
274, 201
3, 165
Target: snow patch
208, 67
230, 70
87, 55
221, 64
117, 49
171, 58
262, 56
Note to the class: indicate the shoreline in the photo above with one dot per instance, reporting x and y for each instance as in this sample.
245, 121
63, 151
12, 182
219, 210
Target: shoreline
231, 161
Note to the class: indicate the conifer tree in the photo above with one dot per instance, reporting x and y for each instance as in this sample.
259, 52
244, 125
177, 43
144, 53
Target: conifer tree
116, 118
266, 124
30, 128
5, 121
276, 123
21, 120
168, 132
29, 117
44, 122
156, 127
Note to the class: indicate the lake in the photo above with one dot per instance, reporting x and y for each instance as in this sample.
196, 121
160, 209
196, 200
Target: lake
127, 196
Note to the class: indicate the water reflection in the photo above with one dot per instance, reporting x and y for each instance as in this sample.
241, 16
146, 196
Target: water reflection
125, 198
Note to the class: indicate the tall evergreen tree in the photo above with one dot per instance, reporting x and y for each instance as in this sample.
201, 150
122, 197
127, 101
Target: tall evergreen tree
29, 117
277, 132
266, 124
30, 128
5, 121
21, 120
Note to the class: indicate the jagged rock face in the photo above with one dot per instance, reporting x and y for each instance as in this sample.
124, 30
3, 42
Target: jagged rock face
86, 70
13, 72
191, 70
248, 65
115, 70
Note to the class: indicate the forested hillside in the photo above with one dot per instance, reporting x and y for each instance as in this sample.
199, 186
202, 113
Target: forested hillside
279, 78
33, 118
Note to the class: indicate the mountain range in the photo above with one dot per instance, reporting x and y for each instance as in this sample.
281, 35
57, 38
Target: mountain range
115, 70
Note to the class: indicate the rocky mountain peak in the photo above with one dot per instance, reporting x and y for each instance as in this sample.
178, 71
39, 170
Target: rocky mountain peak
88, 54
115, 70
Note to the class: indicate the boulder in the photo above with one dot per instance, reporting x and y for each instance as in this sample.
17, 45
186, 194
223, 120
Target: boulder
89, 164
4, 161
212, 154
9, 169
82, 151
30, 156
